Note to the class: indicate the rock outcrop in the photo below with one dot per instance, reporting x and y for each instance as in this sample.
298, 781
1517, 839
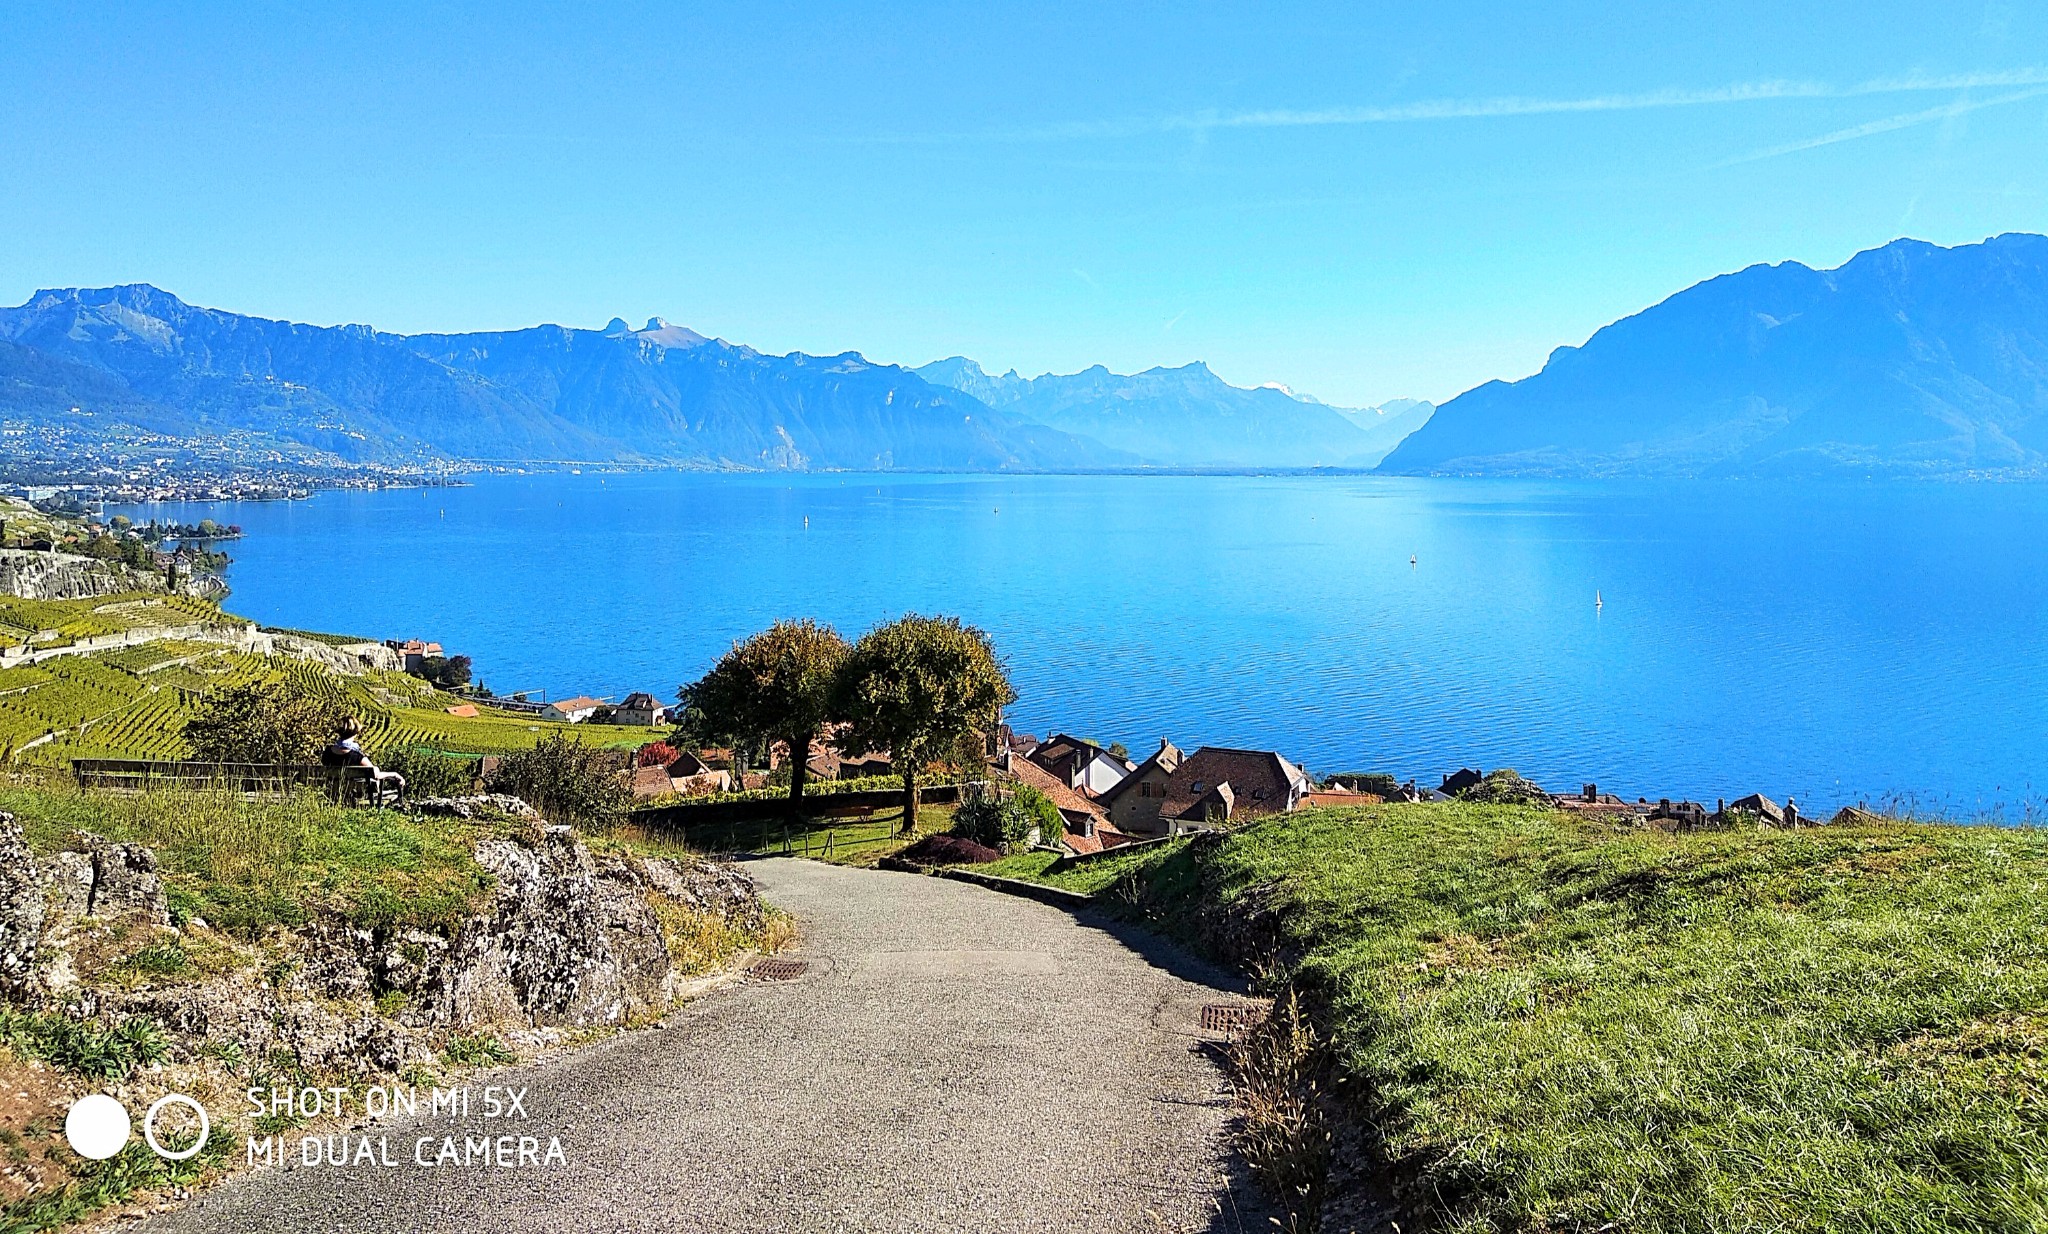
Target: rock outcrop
568, 939
34, 575
559, 945
474, 806
21, 909
99, 878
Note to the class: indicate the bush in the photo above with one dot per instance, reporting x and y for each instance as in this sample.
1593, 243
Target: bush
264, 722
1378, 783
1505, 787
568, 782
1040, 809
432, 773
1000, 823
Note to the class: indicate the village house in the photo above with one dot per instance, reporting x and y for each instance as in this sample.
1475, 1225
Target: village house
640, 708
412, 652
1086, 828
828, 760
652, 781
1592, 802
1339, 795
1134, 804
572, 710
867, 763
691, 776
1170, 793
1082, 765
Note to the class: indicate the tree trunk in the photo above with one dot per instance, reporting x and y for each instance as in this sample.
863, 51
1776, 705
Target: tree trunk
799, 768
909, 800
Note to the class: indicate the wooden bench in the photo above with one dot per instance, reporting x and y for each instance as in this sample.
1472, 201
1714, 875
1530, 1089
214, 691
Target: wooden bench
347, 785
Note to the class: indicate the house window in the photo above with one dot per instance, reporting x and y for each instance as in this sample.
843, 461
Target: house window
1198, 786
1144, 788
1259, 794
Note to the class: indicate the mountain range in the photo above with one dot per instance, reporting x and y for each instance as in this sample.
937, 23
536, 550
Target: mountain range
1910, 359
119, 359
1190, 417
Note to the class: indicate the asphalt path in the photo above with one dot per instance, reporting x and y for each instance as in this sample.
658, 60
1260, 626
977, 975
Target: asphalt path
953, 1059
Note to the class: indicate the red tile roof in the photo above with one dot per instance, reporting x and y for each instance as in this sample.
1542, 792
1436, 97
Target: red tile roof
651, 782
1261, 782
1065, 799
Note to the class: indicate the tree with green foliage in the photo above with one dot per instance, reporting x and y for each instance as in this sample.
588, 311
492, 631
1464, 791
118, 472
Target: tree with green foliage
778, 685
918, 687
263, 722
447, 672
568, 782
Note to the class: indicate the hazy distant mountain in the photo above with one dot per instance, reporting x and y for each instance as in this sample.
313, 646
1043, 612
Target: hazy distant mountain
1188, 416
1388, 424
669, 393
660, 394
1908, 359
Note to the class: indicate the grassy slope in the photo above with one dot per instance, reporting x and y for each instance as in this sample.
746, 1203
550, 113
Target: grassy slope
1556, 1025
247, 864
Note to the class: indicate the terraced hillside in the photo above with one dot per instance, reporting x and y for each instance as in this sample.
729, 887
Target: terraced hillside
133, 701
45, 624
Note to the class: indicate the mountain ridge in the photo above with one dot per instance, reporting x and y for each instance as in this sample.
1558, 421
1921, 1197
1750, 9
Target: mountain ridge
1907, 359
613, 395
1187, 416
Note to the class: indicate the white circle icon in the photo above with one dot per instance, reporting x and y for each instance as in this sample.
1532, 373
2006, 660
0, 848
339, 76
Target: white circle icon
97, 1126
149, 1127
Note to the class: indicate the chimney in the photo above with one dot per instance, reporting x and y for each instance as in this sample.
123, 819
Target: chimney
1592, 793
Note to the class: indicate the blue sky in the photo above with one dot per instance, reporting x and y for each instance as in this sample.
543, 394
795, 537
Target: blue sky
1364, 202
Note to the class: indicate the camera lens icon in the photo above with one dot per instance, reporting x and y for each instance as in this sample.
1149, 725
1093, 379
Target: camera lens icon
98, 1126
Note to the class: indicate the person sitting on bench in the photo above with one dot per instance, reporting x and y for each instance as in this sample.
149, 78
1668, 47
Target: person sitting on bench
347, 751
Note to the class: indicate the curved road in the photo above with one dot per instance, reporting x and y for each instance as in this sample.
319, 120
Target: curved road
954, 1059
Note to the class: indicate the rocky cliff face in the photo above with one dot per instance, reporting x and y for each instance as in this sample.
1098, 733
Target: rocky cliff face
67, 576
568, 940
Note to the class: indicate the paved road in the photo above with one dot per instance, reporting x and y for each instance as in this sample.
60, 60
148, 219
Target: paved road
954, 1060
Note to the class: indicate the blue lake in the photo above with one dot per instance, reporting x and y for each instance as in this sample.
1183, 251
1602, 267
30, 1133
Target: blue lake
1827, 643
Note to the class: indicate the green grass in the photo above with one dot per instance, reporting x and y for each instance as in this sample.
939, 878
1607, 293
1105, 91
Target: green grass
479, 1050
1548, 1024
1093, 877
83, 1048
246, 865
856, 841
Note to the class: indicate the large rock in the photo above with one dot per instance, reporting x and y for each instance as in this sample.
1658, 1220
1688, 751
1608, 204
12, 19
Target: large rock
721, 891
476, 805
67, 886
562, 943
97, 877
21, 910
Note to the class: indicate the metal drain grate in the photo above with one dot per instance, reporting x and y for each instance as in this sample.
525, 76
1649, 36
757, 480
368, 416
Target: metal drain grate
777, 970
1232, 1020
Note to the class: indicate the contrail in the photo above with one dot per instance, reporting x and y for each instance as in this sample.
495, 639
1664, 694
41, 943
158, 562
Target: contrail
1505, 105
1887, 125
